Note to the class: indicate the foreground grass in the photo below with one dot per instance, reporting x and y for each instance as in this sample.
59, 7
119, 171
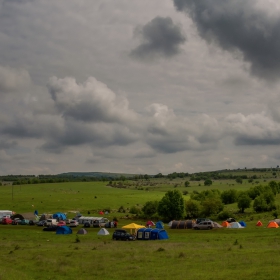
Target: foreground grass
29, 253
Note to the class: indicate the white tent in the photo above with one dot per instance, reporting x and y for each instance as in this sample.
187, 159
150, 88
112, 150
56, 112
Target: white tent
103, 231
170, 223
235, 225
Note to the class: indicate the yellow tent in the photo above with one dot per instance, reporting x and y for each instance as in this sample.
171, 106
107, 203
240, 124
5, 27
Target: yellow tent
133, 226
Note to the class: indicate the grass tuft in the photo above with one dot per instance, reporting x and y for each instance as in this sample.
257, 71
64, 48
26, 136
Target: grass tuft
160, 249
182, 255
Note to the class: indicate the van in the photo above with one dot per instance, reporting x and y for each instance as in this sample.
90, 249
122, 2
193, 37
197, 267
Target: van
51, 222
100, 222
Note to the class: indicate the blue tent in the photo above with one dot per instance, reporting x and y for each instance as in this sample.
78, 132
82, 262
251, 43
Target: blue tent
63, 230
159, 225
242, 223
151, 234
158, 234
144, 233
60, 216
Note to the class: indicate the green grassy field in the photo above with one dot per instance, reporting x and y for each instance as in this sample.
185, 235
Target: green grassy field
27, 252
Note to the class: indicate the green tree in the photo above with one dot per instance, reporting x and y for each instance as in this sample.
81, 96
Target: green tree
171, 206
150, 208
260, 204
212, 206
229, 196
244, 201
187, 184
208, 182
192, 208
239, 180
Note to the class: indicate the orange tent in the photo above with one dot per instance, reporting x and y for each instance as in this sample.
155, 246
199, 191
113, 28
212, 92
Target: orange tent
259, 224
272, 225
225, 224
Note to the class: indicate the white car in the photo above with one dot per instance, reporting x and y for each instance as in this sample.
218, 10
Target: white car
73, 223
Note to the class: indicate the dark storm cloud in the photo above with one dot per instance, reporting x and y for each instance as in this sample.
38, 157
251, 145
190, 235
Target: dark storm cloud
239, 25
245, 140
160, 37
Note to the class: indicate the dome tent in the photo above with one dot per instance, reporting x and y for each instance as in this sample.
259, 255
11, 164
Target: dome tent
259, 224
235, 225
103, 231
272, 224
60, 216
63, 230
82, 231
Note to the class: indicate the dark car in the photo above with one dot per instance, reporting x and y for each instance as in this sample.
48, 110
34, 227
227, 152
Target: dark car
121, 234
50, 228
86, 225
16, 222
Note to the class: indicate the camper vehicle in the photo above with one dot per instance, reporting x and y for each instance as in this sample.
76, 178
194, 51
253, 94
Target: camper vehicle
100, 222
51, 222
5, 214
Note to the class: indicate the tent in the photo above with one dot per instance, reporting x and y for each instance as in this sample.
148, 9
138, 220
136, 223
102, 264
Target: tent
272, 224
225, 224
60, 216
158, 234
151, 234
277, 221
182, 224
82, 231
101, 213
133, 227
235, 225
103, 231
216, 225
242, 223
159, 225
144, 233
150, 223
170, 223
63, 230
259, 224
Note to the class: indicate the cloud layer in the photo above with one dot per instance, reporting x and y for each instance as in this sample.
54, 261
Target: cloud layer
76, 95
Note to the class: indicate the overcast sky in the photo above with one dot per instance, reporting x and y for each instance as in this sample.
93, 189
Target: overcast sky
139, 86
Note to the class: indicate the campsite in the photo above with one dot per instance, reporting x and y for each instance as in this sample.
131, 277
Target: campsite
28, 252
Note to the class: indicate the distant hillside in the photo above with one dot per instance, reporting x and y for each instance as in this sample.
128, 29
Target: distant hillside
95, 174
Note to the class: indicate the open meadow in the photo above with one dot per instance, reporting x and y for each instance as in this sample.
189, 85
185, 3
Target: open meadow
27, 252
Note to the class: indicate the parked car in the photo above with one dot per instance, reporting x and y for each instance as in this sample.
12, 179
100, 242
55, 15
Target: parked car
199, 220
50, 228
6, 221
73, 223
24, 222
16, 222
61, 223
51, 222
121, 234
86, 224
42, 223
204, 225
